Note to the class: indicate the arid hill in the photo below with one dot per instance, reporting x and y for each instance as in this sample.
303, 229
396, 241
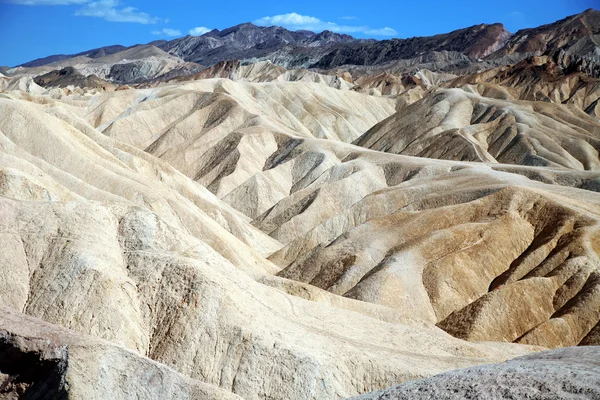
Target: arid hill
110, 241
69, 76
358, 223
565, 34
466, 125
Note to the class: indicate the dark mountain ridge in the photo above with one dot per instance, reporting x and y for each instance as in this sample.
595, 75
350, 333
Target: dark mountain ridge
576, 36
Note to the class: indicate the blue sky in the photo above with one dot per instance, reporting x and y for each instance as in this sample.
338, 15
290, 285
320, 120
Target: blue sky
31, 29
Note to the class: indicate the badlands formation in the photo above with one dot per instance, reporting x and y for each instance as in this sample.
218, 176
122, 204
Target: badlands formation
264, 231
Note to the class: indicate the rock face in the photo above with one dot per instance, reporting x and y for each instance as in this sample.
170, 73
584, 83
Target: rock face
570, 373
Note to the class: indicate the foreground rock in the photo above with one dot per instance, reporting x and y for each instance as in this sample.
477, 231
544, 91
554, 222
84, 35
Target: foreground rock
565, 374
41, 360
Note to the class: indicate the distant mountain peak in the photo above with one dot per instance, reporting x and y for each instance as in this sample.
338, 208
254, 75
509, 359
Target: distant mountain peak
551, 37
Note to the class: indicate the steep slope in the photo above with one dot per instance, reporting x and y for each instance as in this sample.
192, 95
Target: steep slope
465, 125
40, 360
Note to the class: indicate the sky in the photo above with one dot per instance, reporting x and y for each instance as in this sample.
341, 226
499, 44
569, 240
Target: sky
31, 29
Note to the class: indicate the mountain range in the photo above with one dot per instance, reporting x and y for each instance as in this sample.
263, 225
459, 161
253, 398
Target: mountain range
468, 49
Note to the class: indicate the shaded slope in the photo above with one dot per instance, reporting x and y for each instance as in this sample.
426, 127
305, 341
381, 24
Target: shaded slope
476, 41
41, 361
464, 125
69, 76
538, 79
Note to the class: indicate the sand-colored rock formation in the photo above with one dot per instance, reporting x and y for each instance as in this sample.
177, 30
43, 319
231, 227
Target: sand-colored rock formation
445, 242
251, 231
109, 241
130, 65
265, 71
451, 244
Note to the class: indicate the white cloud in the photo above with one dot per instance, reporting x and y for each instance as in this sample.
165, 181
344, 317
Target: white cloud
44, 2
110, 11
296, 21
167, 32
199, 30
381, 32
291, 19
107, 9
